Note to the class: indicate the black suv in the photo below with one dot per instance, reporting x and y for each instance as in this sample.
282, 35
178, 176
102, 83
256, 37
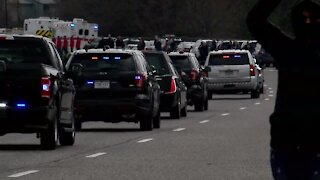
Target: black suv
36, 96
173, 90
194, 76
114, 86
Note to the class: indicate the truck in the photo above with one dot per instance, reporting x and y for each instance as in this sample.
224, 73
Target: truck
36, 94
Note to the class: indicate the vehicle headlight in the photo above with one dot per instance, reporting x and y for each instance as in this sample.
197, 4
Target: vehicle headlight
3, 105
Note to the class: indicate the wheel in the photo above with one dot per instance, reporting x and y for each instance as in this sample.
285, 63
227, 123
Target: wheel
206, 104
199, 106
146, 122
157, 121
175, 113
262, 89
255, 94
78, 124
49, 138
184, 111
210, 95
67, 138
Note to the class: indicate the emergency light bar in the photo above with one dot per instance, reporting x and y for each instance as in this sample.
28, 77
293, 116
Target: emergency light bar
21, 105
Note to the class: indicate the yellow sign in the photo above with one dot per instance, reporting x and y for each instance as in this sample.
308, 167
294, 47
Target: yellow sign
44, 33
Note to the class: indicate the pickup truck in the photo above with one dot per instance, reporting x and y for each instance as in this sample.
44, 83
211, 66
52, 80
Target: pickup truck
36, 95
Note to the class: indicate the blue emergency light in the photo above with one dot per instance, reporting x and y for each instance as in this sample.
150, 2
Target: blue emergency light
90, 82
72, 25
21, 105
96, 27
117, 58
237, 56
105, 58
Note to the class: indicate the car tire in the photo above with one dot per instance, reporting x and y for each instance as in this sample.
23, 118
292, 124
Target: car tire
175, 113
49, 138
184, 111
255, 94
210, 95
206, 104
146, 122
67, 138
78, 124
157, 121
199, 106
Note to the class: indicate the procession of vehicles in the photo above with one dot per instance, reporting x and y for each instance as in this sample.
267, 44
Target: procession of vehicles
45, 95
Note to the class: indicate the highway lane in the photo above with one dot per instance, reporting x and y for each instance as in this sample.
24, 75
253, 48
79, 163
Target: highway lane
230, 141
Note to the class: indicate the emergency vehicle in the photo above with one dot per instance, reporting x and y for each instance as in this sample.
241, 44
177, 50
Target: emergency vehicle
75, 30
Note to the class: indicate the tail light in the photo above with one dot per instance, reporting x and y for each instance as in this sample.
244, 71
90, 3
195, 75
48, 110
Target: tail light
45, 87
139, 80
173, 86
252, 70
194, 75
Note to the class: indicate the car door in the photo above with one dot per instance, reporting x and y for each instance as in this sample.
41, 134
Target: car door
66, 90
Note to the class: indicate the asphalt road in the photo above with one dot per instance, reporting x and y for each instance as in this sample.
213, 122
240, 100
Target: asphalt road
228, 142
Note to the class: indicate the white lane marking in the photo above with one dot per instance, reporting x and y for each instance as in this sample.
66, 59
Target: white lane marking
203, 122
179, 129
145, 140
265, 85
23, 173
270, 95
267, 99
225, 114
271, 92
96, 155
257, 103
243, 108
270, 88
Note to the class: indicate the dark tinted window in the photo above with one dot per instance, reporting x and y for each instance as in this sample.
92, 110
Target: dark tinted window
24, 51
105, 62
159, 62
229, 59
181, 62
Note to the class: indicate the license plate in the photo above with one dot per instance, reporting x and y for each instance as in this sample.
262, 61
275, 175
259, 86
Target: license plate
102, 84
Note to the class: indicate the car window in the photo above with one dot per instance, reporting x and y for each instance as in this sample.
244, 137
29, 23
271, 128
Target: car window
159, 62
24, 51
229, 59
181, 62
105, 62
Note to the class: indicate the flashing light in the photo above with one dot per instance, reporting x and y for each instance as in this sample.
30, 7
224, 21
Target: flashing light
226, 57
94, 58
90, 82
3, 105
237, 56
21, 105
96, 26
72, 25
117, 58
105, 58
45, 87
137, 77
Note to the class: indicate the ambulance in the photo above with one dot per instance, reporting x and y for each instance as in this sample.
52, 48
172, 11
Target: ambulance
77, 29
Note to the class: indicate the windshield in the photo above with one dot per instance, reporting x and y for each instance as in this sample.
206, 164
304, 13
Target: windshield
229, 59
159, 62
105, 62
24, 51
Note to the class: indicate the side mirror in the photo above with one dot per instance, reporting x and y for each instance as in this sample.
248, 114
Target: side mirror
76, 69
207, 69
3, 66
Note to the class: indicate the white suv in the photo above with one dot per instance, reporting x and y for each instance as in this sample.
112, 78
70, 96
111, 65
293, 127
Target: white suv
232, 71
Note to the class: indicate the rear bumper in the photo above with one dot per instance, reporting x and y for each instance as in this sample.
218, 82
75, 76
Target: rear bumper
113, 110
232, 86
28, 120
168, 101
